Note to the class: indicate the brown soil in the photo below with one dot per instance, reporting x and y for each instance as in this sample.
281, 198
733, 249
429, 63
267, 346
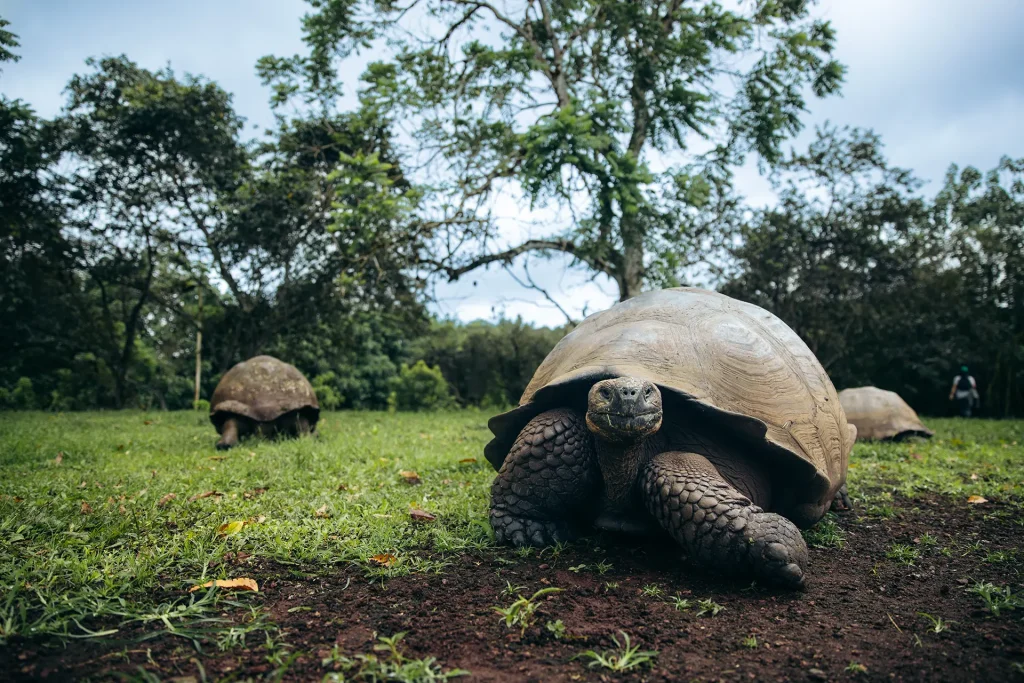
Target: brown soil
860, 607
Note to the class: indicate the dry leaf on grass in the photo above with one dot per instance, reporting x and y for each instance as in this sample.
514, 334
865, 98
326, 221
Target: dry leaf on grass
217, 457
60, 458
238, 584
83, 485
384, 559
322, 512
200, 496
166, 499
86, 508
410, 477
421, 515
254, 493
976, 500
467, 461
231, 528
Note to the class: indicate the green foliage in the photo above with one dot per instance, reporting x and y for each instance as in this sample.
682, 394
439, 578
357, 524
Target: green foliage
997, 598
627, 656
572, 101
420, 387
521, 612
395, 666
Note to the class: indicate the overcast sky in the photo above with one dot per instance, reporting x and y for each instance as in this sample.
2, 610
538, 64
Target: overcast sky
941, 81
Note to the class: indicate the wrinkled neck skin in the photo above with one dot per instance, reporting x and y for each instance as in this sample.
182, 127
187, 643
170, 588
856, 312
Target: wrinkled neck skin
620, 464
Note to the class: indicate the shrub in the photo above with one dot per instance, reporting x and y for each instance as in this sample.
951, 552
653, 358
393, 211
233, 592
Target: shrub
421, 387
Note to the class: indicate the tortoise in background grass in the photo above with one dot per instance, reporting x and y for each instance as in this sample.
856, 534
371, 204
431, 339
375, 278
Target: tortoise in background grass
879, 414
263, 396
682, 409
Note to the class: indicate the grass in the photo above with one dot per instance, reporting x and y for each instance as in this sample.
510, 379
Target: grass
626, 656
108, 519
522, 611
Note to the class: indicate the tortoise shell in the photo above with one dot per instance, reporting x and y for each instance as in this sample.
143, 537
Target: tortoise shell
734, 369
880, 414
263, 389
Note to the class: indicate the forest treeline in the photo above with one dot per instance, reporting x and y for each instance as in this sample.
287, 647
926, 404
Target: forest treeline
140, 216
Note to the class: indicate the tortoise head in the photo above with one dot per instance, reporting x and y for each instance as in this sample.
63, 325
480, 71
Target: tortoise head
624, 409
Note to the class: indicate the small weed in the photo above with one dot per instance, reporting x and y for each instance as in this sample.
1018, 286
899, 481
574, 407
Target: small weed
856, 668
603, 567
521, 612
680, 603
556, 628
651, 590
395, 667
903, 554
626, 657
1018, 667
578, 568
509, 590
610, 586
825, 534
885, 511
524, 551
750, 642
709, 607
996, 599
999, 557
975, 547
938, 625
928, 541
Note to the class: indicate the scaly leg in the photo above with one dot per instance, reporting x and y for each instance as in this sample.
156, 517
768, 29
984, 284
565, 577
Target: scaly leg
229, 434
717, 525
548, 483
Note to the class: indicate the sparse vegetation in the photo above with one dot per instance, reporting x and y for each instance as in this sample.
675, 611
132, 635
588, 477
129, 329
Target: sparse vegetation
708, 607
903, 554
750, 642
825, 534
997, 599
393, 666
627, 656
521, 612
652, 590
938, 624
556, 628
680, 603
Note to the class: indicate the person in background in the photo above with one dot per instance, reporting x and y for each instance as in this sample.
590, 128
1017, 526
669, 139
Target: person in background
965, 391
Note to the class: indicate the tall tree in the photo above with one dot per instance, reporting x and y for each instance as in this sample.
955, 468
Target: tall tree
150, 154
580, 104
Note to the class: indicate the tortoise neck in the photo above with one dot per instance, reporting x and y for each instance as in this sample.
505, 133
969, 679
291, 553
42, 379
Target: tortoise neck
620, 464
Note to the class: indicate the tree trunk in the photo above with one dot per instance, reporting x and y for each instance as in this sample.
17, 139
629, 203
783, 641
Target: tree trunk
631, 276
199, 348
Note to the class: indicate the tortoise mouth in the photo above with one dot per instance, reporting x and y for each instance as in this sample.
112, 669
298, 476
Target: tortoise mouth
620, 427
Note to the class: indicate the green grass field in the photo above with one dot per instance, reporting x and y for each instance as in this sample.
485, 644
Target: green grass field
108, 519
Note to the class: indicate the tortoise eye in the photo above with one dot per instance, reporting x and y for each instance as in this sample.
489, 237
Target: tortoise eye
605, 393
648, 391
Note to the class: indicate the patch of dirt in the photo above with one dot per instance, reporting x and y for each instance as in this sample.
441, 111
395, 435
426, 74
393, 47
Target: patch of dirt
860, 607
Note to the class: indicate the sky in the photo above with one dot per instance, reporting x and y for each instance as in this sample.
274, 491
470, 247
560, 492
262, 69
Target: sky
942, 81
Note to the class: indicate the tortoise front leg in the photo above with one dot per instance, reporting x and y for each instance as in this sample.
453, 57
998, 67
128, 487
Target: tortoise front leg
233, 429
548, 484
717, 525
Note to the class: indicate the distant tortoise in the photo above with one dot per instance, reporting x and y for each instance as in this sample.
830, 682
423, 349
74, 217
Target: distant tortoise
879, 414
681, 408
262, 396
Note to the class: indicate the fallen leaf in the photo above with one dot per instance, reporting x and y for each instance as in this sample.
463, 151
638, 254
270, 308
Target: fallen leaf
60, 458
83, 484
86, 508
916, 456
239, 584
166, 499
342, 487
976, 500
467, 461
254, 493
421, 515
974, 477
410, 477
384, 559
122, 509
322, 512
236, 558
257, 520
217, 457
231, 528
200, 496
147, 422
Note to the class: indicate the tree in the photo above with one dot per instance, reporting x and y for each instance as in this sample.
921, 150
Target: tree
582, 105
150, 154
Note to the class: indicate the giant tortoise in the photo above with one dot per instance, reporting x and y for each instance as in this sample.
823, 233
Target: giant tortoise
263, 396
682, 409
881, 415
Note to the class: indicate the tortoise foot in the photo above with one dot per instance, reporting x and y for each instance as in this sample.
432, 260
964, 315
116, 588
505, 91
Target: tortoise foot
842, 503
536, 533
